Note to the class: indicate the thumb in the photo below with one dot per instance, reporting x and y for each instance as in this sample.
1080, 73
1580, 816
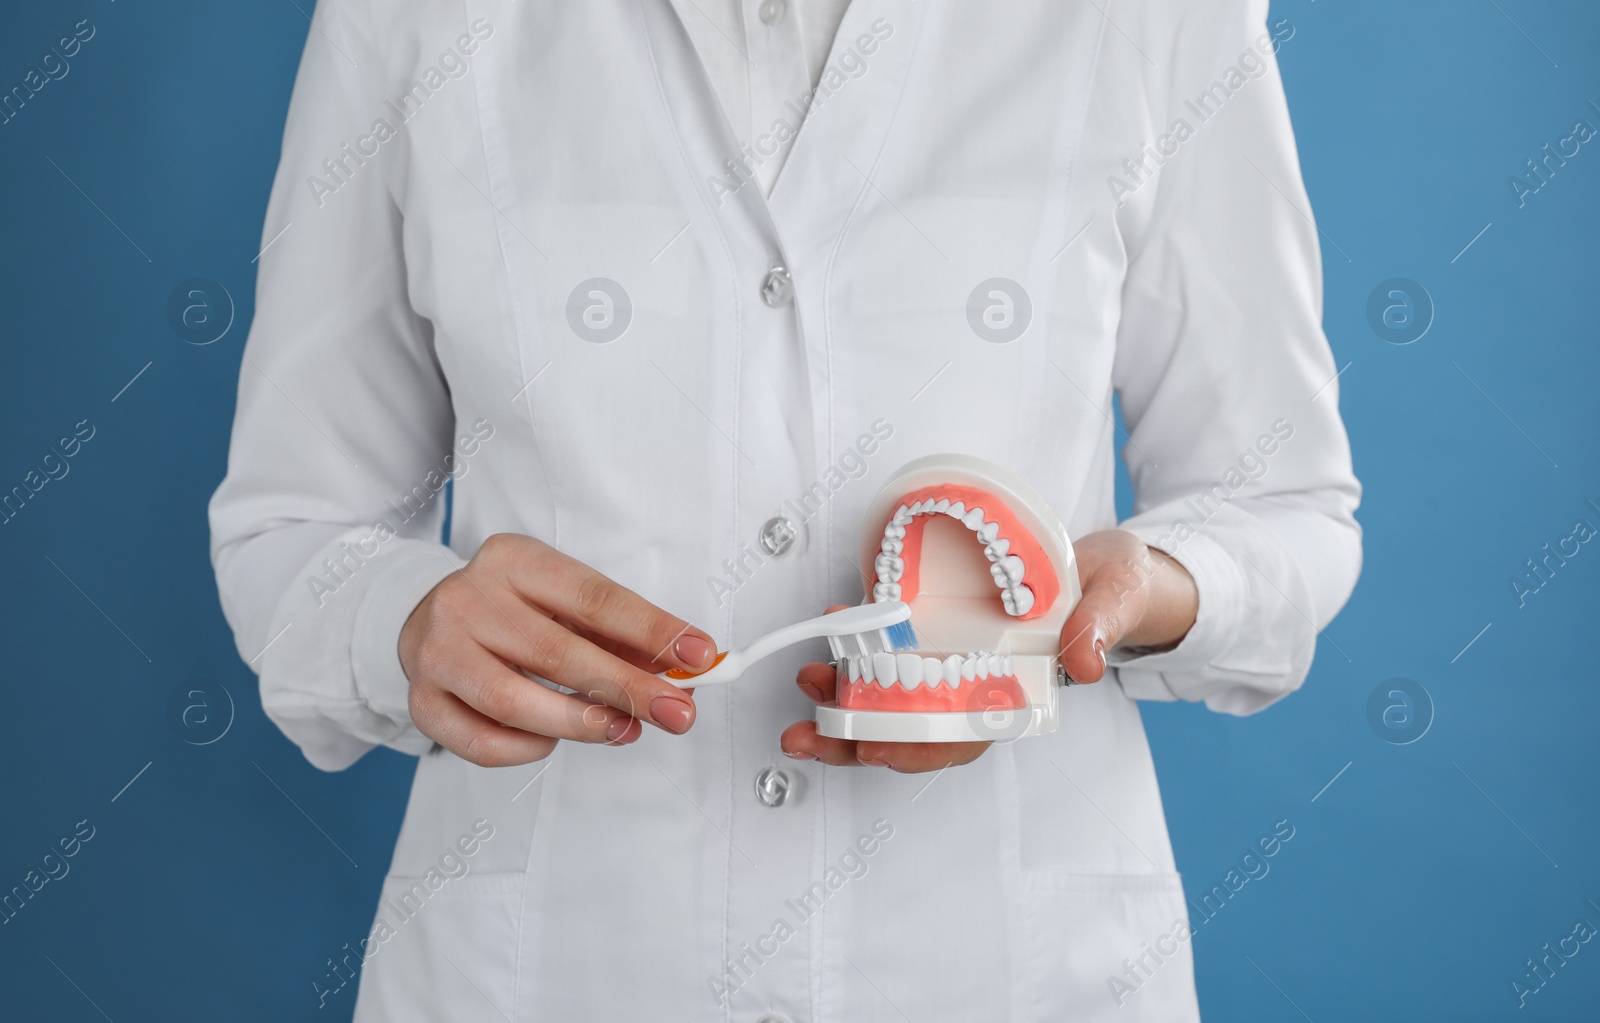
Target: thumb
1114, 600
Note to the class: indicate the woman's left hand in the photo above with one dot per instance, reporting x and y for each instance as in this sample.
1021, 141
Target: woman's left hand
1133, 595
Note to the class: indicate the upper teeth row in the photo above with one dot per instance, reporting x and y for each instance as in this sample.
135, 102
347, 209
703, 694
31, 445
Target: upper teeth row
911, 670
1006, 568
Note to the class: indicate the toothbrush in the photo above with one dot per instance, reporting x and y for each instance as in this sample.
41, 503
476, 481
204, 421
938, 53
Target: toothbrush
883, 627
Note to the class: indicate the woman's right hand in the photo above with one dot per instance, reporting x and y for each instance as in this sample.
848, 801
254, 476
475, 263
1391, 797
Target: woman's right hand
522, 604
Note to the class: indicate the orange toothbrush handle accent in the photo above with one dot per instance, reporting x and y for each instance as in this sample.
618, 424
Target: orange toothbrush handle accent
679, 674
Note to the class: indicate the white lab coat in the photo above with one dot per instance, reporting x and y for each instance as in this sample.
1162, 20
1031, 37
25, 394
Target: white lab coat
413, 321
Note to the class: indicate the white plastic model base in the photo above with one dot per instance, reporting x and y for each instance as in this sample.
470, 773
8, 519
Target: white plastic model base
941, 726
990, 577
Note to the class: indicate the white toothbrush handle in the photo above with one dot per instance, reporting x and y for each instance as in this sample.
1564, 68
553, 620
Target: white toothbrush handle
737, 662
724, 671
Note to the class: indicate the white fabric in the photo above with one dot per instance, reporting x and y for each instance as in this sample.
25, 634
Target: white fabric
764, 69
413, 322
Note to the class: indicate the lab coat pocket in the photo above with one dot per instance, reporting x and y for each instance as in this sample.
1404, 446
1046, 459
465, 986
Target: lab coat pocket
451, 944
1107, 947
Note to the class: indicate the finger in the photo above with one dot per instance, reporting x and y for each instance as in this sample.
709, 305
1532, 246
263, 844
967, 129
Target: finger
800, 741
818, 681
917, 757
566, 587
549, 651
486, 685
621, 651
474, 738
1114, 599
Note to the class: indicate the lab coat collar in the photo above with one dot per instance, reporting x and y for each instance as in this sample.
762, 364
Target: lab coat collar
840, 137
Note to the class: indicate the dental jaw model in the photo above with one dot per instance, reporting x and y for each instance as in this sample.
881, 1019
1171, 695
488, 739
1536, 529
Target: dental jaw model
969, 579
990, 578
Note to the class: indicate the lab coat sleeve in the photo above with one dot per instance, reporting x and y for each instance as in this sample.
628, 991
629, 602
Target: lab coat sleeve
1238, 457
324, 534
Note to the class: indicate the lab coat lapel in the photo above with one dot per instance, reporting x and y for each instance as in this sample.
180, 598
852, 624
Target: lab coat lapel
848, 122
700, 130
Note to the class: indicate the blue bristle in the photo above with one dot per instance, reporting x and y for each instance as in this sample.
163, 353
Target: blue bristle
902, 636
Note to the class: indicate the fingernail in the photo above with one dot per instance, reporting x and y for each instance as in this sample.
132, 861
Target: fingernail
694, 652
619, 728
865, 762
800, 754
673, 715
1100, 651
811, 691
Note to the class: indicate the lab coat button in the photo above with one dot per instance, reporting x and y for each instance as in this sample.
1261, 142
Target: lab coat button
778, 536
777, 288
772, 788
772, 10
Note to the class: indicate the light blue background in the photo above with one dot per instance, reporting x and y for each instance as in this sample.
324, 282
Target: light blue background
1416, 884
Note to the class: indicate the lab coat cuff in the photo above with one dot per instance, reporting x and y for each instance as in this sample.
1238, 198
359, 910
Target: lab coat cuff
1252, 641
404, 576
1162, 675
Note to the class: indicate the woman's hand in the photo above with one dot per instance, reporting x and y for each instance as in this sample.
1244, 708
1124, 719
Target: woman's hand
1133, 595
522, 605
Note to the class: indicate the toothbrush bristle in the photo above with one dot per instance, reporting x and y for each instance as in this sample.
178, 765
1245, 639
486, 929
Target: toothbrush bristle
900, 636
